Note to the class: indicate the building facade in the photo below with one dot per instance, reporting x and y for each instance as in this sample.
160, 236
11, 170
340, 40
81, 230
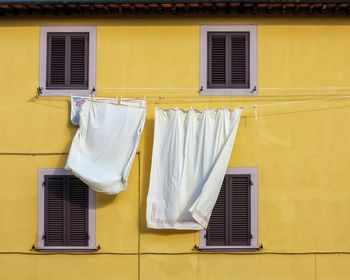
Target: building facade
292, 137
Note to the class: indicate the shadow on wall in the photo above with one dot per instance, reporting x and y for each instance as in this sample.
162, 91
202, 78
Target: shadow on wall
102, 200
145, 168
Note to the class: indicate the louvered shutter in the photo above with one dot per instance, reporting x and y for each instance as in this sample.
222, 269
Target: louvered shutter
67, 60
229, 223
239, 210
77, 208
56, 60
239, 60
217, 60
228, 60
216, 232
55, 214
66, 211
78, 74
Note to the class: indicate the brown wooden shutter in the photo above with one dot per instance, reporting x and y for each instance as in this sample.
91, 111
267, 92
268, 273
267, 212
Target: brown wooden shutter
66, 211
217, 60
79, 53
55, 214
239, 60
229, 223
56, 61
239, 210
216, 231
228, 60
67, 60
77, 222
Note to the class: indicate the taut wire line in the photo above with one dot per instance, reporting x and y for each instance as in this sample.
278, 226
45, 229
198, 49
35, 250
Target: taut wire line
145, 88
297, 89
225, 99
300, 101
255, 106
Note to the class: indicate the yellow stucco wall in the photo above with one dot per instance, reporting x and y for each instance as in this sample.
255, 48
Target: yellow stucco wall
301, 150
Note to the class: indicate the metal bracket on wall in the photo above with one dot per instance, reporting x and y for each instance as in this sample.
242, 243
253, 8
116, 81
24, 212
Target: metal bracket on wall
39, 91
254, 89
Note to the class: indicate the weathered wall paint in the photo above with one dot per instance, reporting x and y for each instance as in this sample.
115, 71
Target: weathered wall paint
301, 150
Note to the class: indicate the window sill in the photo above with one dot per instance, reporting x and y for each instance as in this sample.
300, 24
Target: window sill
228, 92
229, 248
67, 92
54, 249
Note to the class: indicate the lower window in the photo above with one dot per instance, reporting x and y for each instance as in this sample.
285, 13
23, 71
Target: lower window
233, 222
66, 212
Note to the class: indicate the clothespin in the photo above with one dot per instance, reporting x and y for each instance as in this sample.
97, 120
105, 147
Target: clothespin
255, 107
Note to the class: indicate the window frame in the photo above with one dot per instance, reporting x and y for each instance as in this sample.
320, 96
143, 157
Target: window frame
253, 63
41, 212
44, 30
253, 172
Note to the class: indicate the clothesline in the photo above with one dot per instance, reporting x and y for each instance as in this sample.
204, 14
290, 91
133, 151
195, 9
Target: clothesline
300, 89
160, 98
253, 106
297, 101
224, 99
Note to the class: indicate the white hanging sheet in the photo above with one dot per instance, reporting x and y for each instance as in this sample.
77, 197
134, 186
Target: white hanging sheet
77, 103
191, 151
105, 144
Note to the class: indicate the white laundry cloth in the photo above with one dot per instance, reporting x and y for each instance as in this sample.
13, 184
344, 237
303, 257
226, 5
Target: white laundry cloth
191, 151
105, 144
77, 103
138, 102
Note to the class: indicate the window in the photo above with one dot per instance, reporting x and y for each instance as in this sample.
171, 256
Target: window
228, 60
233, 223
67, 60
66, 212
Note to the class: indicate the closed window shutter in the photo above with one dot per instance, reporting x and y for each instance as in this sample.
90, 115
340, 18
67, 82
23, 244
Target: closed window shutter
228, 60
229, 223
67, 60
56, 61
66, 211
239, 210
216, 231
217, 60
77, 222
55, 214
239, 60
79, 53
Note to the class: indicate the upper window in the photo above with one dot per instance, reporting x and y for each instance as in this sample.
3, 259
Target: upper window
228, 60
66, 212
233, 222
67, 60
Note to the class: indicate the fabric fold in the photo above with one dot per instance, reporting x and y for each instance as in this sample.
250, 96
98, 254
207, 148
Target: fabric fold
190, 155
105, 145
77, 103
